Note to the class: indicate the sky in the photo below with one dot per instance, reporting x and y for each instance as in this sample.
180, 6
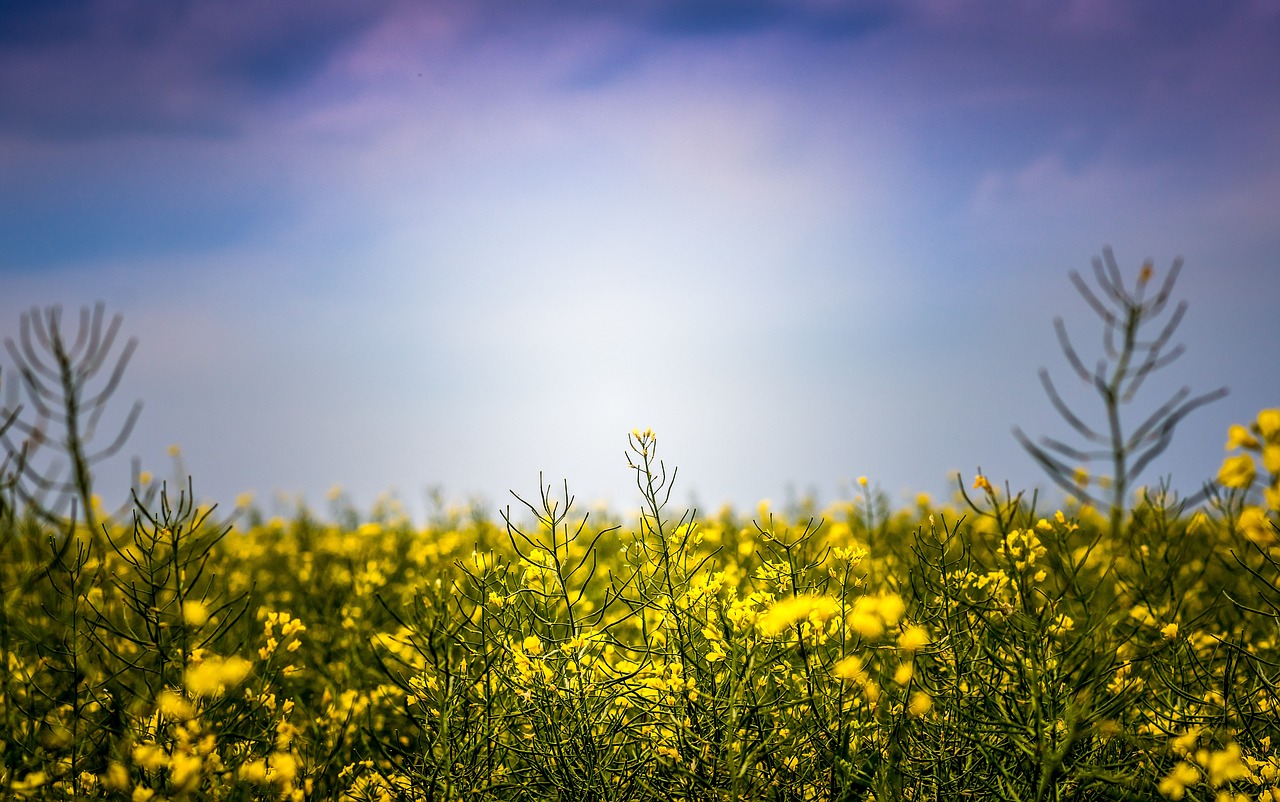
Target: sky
393, 245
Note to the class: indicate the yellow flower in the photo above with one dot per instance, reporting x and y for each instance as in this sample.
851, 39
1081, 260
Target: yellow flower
980, 482
796, 609
850, 668
913, 638
532, 645
173, 706
903, 673
862, 480
117, 776
871, 615
283, 766
1269, 425
150, 756
1174, 785
1271, 458
1223, 766
1253, 522
920, 704
195, 612
1237, 471
184, 771
1184, 743
255, 771
1239, 437
1169, 631
214, 674
866, 623
892, 608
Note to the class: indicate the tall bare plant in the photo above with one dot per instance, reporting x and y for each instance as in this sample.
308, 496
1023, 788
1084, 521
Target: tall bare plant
58, 377
1129, 359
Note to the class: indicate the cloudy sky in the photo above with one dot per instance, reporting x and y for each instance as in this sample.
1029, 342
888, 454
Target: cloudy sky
395, 244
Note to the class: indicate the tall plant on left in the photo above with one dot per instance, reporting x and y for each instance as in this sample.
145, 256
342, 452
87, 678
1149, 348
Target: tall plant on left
60, 379
118, 645
53, 544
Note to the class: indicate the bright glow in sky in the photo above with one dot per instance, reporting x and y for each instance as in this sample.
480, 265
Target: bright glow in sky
394, 244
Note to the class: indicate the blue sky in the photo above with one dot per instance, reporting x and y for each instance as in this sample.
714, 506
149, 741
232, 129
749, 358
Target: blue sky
390, 245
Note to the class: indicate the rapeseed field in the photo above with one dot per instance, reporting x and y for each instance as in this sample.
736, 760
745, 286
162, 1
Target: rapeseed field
979, 651
1116, 646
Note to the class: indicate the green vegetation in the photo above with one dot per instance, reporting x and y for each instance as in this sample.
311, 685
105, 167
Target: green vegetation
976, 650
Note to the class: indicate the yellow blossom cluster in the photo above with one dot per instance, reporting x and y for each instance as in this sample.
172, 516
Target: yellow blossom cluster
190, 754
1259, 445
213, 675
1221, 770
289, 634
872, 615
807, 609
1023, 548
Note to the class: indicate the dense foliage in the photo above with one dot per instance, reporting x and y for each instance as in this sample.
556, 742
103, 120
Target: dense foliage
1126, 646
983, 651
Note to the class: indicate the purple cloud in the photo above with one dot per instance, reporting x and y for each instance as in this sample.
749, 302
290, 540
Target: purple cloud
79, 71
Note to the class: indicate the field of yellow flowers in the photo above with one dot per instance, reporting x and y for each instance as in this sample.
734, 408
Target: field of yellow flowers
985, 650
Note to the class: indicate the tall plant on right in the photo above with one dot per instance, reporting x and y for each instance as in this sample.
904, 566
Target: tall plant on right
1130, 357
